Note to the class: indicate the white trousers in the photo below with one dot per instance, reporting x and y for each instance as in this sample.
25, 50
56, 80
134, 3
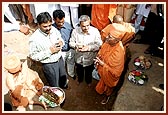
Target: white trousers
138, 22
69, 62
71, 14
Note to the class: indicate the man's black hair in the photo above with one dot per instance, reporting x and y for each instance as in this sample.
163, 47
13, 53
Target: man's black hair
58, 14
44, 17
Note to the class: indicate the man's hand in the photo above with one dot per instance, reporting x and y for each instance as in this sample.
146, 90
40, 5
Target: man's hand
55, 49
98, 61
24, 29
60, 43
83, 49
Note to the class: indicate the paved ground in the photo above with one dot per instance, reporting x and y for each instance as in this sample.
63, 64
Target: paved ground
80, 98
132, 97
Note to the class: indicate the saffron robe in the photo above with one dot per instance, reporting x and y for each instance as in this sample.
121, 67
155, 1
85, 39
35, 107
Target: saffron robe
123, 31
102, 14
113, 57
24, 86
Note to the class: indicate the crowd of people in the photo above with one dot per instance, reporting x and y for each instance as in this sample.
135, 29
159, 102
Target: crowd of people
70, 47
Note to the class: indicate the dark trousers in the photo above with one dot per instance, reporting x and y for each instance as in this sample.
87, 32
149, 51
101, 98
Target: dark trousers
154, 30
154, 33
84, 72
55, 73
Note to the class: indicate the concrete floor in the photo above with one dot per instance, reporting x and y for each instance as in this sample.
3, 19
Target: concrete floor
132, 97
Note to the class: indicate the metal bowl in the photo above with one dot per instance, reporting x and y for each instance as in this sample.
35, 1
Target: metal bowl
58, 91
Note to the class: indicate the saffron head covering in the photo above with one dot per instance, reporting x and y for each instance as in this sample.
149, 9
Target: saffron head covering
12, 63
117, 30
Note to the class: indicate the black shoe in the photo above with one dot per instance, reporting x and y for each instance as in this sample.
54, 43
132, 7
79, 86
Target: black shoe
148, 51
161, 86
67, 87
137, 41
74, 77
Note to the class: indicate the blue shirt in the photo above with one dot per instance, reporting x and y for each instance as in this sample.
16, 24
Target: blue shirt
65, 31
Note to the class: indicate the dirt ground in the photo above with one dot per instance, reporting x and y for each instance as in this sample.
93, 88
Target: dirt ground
83, 98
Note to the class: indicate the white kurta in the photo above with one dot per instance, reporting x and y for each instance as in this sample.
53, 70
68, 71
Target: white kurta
71, 13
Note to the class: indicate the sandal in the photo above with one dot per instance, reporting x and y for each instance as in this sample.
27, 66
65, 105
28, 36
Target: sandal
105, 100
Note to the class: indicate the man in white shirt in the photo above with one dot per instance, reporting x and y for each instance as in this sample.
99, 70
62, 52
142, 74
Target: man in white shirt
86, 41
45, 46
